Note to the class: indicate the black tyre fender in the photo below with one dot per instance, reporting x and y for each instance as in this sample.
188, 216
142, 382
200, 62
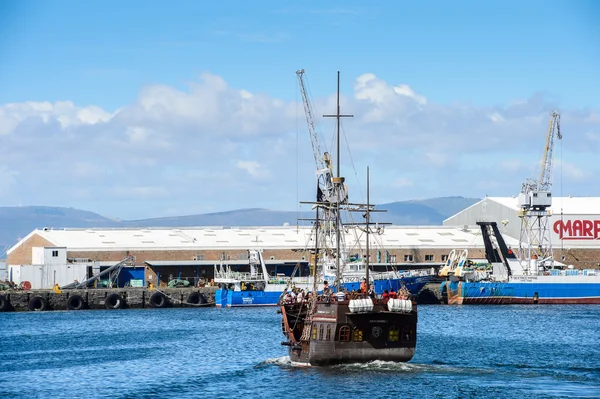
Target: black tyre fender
38, 304
75, 302
113, 301
158, 300
4, 304
196, 298
193, 298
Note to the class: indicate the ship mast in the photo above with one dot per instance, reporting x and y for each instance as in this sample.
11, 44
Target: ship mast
368, 222
314, 271
338, 183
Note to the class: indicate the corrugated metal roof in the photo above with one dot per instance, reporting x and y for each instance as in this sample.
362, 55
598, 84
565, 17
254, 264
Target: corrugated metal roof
283, 237
211, 263
568, 205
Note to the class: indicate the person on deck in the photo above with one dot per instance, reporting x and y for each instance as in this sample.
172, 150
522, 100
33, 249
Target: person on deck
393, 295
363, 286
292, 294
372, 291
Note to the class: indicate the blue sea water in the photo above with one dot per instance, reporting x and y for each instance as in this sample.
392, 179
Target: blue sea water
531, 351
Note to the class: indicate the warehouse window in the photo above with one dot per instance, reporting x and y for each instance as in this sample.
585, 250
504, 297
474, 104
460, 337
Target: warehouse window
429, 258
444, 258
55, 254
408, 258
393, 258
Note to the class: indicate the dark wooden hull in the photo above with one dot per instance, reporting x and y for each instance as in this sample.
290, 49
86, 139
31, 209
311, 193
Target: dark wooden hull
337, 336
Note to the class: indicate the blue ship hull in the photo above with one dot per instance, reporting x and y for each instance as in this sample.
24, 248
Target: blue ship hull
412, 284
228, 298
460, 292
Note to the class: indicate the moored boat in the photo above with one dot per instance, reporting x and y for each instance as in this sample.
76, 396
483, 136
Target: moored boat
504, 279
255, 288
258, 288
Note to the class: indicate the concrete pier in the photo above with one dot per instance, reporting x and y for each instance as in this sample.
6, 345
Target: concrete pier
97, 298
135, 298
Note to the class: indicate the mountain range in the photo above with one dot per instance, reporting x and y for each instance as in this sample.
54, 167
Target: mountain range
17, 222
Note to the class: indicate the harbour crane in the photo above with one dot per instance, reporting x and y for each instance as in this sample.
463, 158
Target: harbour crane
331, 191
535, 200
326, 190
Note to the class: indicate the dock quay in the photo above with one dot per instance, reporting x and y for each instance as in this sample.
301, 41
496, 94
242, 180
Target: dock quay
109, 298
134, 298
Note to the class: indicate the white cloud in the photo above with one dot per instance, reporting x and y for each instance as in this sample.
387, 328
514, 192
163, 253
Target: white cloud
81, 169
405, 90
402, 182
370, 87
63, 112
511, 165
496, 117
217, 147
594, 137
437, 158
570, 171
8, 179
254, 169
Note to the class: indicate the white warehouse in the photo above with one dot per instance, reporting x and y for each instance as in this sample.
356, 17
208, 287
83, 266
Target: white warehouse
575, 224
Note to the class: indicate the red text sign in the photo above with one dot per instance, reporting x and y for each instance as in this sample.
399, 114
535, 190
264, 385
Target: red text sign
577, 229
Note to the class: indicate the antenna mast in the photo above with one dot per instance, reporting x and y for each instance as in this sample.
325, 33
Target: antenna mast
338, 185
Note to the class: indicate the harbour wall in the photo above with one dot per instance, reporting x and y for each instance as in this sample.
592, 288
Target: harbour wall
97, 298
137, 298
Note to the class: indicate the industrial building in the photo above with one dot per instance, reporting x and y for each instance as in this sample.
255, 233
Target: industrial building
3, 272
51, 256
574, 224
191, 253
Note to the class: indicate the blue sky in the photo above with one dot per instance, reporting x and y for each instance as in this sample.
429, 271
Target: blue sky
112, 62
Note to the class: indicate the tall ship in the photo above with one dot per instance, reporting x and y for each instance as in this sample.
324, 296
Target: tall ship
531, 276
330, 326
258, 288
